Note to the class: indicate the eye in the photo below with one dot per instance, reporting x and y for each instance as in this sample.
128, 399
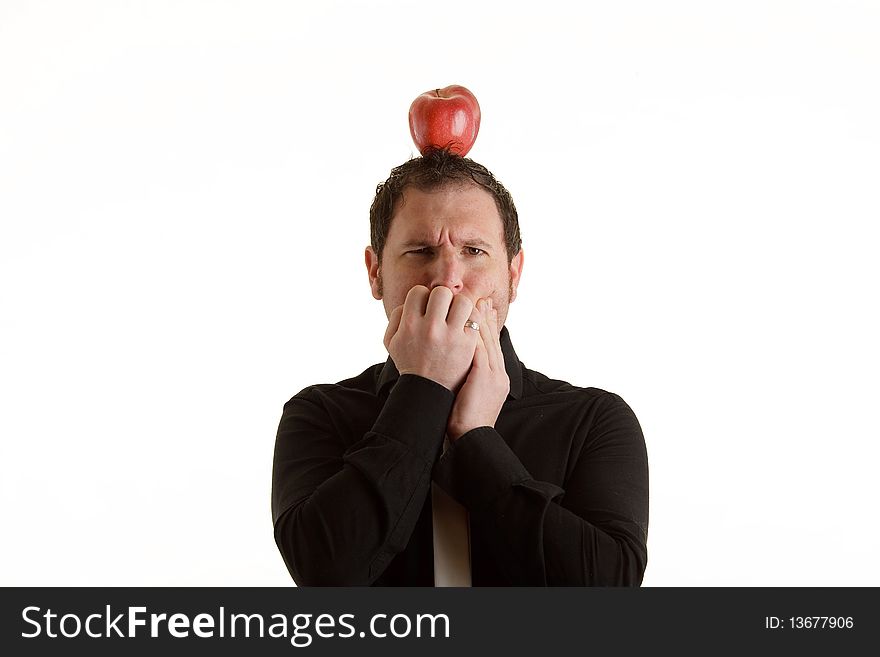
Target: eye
474, 251
423, 251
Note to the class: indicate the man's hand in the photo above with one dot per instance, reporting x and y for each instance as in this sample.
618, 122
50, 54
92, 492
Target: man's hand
427, 336
480, 399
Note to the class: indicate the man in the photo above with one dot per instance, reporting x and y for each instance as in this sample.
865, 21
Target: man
549, 481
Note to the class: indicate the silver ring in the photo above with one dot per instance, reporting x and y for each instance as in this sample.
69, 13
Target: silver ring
473, 325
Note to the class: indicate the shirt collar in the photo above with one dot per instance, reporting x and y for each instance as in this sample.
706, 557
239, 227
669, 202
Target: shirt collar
388, 374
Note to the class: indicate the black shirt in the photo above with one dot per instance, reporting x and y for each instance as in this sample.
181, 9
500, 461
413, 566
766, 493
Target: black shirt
557, 492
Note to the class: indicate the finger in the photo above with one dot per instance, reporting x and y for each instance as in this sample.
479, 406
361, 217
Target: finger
490, 339
474, 323
477, 312
496, 333
416, 299
438, 304
393, 324
481, 355
460, 310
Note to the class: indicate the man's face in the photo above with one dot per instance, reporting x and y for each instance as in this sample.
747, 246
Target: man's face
451, 236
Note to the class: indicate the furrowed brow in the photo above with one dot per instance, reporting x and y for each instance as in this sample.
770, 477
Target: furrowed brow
417, 244
420, 243
478, 243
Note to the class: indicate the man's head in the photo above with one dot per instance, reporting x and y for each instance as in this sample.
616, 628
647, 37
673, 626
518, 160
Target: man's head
442, 219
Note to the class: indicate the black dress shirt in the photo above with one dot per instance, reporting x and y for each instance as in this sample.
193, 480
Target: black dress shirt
557, 492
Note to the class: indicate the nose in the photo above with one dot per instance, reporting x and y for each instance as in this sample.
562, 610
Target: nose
446, 270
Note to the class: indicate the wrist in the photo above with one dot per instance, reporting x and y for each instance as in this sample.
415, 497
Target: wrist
433, 378
454, 433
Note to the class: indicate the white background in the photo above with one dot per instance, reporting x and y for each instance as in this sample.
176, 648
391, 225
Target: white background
184, 190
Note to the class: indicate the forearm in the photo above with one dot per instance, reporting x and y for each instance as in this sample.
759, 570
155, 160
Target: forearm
541, 534
581, 553
355, 509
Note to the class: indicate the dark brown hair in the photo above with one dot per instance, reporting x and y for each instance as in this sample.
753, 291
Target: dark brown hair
435, 169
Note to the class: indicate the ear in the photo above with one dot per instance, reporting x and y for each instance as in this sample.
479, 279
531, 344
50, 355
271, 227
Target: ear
516, 266
372, 262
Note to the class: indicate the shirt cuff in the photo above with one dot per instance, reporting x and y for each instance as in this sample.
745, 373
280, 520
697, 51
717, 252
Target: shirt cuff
416, 413
479, 469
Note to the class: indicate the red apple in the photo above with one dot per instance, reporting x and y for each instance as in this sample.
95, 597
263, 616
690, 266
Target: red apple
445, 118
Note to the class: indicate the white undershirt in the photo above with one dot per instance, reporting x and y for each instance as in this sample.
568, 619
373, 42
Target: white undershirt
452, 540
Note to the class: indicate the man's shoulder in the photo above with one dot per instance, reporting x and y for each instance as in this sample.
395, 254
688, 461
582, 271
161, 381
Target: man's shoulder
598, 407
540, 388
536, 383
363, 383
